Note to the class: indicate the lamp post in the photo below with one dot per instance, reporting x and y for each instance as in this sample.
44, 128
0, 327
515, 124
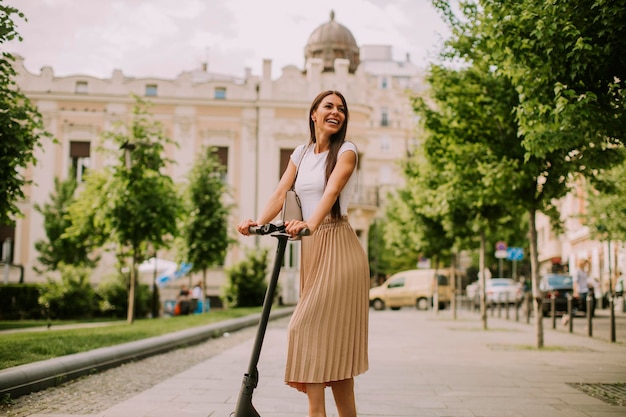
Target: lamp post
155, 296
611, 297
6, 251
256, 162
128, 148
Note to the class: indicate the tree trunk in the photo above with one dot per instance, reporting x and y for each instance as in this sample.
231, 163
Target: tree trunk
131, 292
482, 288
452, 283
435, 286
534, 274
204, 306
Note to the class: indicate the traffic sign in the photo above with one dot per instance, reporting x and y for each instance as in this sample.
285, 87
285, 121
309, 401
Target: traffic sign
515, 254
500, 246
501, 254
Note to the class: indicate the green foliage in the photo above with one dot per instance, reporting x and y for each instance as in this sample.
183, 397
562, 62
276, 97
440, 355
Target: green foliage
60, 247
247, 284
112, 297
607, 205
20, 301
133, 204
142, 203
567, 63
384, 259
21, 125
134, 207
70, 297
205, 229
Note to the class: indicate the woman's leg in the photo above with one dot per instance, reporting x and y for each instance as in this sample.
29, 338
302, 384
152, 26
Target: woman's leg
343, 391
317, 402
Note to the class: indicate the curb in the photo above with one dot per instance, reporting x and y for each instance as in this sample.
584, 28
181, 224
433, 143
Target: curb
28, 378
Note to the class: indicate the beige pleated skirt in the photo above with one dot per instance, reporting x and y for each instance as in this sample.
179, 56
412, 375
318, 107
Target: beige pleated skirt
327, 335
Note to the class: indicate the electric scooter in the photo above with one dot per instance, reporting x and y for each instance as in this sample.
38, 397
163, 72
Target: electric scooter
251, 378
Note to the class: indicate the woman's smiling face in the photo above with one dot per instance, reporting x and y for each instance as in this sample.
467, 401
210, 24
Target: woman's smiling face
330, 114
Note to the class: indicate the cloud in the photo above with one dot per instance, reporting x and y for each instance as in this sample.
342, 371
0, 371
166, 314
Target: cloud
163, 38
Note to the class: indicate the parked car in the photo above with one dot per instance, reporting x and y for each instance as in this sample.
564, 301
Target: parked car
413, 288
471, 291
559, 286
504, 290
499, 291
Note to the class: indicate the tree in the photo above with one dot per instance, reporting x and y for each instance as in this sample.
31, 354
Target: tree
205, 228
560, 111
568, 63
472, 157
59, 247
607, 202
21, 126
131, 204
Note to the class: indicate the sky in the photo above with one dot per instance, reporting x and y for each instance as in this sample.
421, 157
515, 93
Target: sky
163, 38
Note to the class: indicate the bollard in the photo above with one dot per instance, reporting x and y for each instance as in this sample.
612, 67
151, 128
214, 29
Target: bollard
518, 304
529, 298
499, 301
589, 314
570, 313
506, 305
553, 309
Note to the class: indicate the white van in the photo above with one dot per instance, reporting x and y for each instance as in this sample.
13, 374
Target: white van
414, 287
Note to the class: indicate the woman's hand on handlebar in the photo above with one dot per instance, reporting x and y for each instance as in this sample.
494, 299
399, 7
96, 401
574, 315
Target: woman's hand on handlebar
294, 227
244, 226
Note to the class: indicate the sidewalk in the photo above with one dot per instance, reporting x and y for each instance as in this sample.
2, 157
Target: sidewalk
421, 365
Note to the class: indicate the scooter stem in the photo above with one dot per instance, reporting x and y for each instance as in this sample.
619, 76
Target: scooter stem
251, 379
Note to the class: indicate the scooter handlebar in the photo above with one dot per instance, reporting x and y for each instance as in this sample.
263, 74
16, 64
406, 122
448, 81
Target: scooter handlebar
268, 228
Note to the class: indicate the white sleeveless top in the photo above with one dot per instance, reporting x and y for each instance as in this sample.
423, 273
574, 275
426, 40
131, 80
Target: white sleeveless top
311, 178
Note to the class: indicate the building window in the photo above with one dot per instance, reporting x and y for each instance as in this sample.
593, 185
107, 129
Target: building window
284, 161
384, 83
81, 87
7, 242
384, 117
80, 157
151, 90
384, 175
385, 143
221, 152
220, 93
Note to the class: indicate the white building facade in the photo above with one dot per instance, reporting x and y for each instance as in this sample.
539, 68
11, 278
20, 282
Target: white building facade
254, 121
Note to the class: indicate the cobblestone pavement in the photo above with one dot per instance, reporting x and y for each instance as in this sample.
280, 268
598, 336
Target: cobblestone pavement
105, 389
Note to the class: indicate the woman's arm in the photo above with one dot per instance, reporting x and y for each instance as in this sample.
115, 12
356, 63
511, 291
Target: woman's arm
274, 203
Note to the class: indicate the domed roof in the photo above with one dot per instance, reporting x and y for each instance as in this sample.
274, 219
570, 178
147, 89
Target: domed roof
330, 41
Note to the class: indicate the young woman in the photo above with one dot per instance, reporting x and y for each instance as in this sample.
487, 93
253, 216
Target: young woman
328, 329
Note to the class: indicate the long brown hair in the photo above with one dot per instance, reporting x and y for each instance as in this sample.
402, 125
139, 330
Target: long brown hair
336, 141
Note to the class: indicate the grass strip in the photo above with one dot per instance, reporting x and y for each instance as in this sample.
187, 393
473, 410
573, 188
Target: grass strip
26, 347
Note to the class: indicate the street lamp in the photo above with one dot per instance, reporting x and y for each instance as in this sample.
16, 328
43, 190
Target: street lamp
256, 161
128, 147
6, 251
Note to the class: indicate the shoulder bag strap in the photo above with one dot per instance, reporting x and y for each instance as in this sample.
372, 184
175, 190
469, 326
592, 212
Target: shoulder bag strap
293, 185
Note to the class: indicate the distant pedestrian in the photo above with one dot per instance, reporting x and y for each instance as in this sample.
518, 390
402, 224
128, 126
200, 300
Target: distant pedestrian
196, 297
619, 286
182, 302
581, 285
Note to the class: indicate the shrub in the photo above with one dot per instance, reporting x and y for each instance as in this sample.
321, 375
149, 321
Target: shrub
20, 301
70, 297
112, 296
247, 284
